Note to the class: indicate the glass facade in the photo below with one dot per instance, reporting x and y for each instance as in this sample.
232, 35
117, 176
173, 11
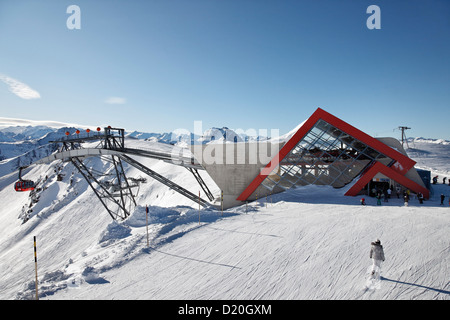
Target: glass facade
325, 156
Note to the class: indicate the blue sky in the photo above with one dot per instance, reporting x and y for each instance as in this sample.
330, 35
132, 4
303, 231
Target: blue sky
157, 65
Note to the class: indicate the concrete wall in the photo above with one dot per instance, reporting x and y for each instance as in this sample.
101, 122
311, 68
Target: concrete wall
233, 166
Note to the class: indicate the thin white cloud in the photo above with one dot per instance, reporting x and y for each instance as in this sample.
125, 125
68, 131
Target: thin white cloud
13, 122
20, 89
115, 100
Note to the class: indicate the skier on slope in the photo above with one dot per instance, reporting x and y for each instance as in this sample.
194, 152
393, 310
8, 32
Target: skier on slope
377, 255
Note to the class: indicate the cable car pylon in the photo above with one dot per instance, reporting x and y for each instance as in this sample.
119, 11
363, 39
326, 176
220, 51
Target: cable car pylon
105, 185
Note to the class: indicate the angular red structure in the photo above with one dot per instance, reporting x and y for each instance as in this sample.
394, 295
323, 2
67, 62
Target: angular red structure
327, 150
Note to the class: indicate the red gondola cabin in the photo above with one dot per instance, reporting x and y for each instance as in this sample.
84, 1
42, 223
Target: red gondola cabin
24, 185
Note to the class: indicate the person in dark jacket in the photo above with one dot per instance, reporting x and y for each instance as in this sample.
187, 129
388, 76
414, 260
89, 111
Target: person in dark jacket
420, 197
377, 255
442, 199
405, 198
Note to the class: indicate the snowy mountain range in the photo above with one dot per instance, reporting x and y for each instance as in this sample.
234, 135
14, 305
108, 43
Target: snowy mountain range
307, 243
28, 143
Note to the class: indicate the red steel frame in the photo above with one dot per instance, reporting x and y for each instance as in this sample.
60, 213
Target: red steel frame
396, 172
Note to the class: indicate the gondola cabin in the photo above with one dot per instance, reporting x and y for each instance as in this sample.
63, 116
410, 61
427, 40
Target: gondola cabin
24, 185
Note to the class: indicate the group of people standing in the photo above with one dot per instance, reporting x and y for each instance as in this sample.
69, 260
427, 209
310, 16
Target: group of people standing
386, 195
435, 181
387, 192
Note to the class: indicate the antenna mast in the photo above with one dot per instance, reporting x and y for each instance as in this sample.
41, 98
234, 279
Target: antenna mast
404, 135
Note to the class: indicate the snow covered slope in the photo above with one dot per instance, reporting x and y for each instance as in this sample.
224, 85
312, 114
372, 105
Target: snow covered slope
308, 243
289, 250
432, 155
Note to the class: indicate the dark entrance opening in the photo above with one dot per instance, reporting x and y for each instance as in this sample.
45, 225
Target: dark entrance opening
378, 187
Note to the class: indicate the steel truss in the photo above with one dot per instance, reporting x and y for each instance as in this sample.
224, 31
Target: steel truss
117, 197
114, 189
201, 182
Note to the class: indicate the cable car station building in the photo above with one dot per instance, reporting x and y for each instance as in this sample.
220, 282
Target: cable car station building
323, 151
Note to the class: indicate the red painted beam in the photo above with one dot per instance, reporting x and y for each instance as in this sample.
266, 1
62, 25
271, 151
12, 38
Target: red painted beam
402, 164
390, 173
